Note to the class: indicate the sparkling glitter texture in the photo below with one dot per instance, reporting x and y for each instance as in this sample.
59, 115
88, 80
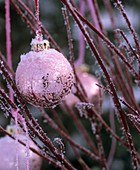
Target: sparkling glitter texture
44, 76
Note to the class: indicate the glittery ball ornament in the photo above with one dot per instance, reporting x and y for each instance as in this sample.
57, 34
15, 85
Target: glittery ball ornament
44, 76
9, 150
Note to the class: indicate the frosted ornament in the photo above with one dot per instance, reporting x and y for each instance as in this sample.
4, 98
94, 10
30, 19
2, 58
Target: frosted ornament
89, 84
44, 76
8, 151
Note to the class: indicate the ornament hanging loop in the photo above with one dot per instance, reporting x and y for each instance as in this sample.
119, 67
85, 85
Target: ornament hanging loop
39, 36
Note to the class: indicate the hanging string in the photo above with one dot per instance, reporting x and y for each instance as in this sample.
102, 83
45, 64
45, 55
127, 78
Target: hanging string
38, 31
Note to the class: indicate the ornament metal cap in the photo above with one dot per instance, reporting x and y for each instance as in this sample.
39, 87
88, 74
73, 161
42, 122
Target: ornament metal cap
39, 45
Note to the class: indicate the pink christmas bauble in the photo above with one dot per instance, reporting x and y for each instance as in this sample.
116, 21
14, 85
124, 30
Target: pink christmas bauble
44, 77
89, 84
8, 152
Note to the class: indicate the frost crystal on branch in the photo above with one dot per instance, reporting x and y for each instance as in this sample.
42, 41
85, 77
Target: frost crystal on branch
60, 144
134, 118
82, 108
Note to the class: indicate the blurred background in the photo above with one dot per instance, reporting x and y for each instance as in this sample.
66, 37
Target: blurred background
52, 18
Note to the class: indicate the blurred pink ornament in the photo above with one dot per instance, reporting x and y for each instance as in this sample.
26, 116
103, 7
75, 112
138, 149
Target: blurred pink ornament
9, 149
44, 76
89, 84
